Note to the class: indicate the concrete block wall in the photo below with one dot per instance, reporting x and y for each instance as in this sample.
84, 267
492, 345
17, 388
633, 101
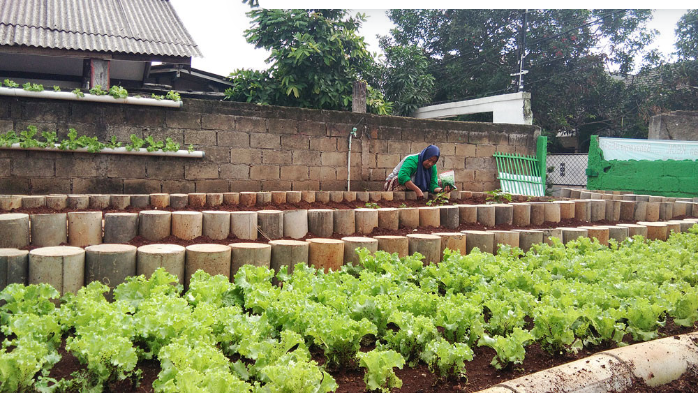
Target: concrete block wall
247, 148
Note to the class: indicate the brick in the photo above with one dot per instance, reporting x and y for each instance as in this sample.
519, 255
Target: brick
250, 124
333, 185
200, 171
123, 133
14, 185
399, 147
265, 141
217, 154
506, 149
245, 156
98, 186
418, 147
264, 172
50, 186
466, 150
295, 172
333, 159
322, 173
387, 160
165, 169
305, 157
212, 186
176, 119
458, 136
355, 173
141, 186
233, 139
5, 167
453, 162
283, 157
178, 187
326, 144
276, 185
485, 176
245, 185
377, 174
232, 171
447, 149
200, 138
312, 128
46, 110
339, 129
378, 146
435, 136
305, 185
343, 145
485, 150
481, 163
86, 113
124, 166
210, 121
6, 125
464, 175
488, 138
160, 134
282, 126
521, 140
144, 117
33, 168
298, 142
525, 150
397, 134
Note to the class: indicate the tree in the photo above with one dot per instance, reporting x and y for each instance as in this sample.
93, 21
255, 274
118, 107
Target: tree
687, 36
316, 55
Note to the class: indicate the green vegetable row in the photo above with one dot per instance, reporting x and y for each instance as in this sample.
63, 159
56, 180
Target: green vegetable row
115, 91
252, 335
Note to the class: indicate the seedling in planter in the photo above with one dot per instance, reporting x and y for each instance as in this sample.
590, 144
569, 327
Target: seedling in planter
33, 87
190, 149
136, 143
8, 139
173, 95
170, 145
113, 144
26, 138
78, 93
497, 196
56, 88
157, 97
153, 145
403, 205
51, 139
10, 83
439, 200
372, 205
97, 90
118, 92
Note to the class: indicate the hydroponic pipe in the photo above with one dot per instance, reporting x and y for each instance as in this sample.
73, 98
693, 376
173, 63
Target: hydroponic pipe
62, 95
118, 150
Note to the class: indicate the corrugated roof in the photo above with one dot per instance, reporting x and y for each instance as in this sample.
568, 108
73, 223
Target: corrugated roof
148, 27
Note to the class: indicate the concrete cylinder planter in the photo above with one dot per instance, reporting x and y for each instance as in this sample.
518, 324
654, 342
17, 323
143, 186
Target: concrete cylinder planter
248, 199
84, 228
673, 227
375, 196
681, 208
179, 201
630, 197
449, 216
187, 225
255, 254
78, 202
427, 245
598, 209
337, 196
585, 195
14, 228
666, 211
552, 213
399, 195
154, 225
56, 202
575, 193
409, 217
482, 240
386, 195
214, 259
655, 198
569, 234
656, 230
62, 267
550, 233
263, 198
486, 215
215, 224
503, 214
120, 227
10, 202
322, 197
308, 196
521, 214
352, 243
296, 223
344, 221
389, 218
640, 212
686, 225
362, 196
366, 220
14, 267
599, 233
507, 238
99, 202
617, 233
429, 217
214, 199
582, 210
454, 241
160, 201
635, 229
197, 199
278, 197
243, 225
652, 214
627, 210
394, 244
288, 253
231, 198
612, 211
293, 197
271, 223
33, 201
468, 214
140, 201
326, 254
119, 202
49, 229
527, 238
350, 196
321, 222
170, 257
109, 264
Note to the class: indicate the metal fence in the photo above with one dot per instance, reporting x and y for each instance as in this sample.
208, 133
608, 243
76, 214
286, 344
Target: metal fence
568, 169
525, 175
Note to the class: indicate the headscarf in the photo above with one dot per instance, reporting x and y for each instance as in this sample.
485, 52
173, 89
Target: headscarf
422, 178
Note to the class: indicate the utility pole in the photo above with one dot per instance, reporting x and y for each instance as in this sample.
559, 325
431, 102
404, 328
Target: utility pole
522, 52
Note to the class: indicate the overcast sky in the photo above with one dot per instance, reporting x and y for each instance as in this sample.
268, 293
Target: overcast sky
217, 26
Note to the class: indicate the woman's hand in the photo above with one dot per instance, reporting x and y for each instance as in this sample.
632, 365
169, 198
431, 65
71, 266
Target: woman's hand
420, 194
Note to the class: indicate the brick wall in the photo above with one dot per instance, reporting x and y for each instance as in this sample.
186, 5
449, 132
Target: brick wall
247, 148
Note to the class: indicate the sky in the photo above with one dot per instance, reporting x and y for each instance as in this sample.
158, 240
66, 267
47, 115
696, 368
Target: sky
218, 26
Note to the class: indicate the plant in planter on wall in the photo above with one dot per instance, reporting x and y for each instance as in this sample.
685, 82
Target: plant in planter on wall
10, 83
26, 138
33, 87
97, 90
78, 93
173, 95
136, 143
8, 139
118, 92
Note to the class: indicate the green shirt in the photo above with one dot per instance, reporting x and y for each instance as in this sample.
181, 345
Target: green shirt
409, 169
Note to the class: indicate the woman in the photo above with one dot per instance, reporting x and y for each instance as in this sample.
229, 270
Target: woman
416, 172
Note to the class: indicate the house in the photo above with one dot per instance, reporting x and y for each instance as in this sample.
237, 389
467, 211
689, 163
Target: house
83, 43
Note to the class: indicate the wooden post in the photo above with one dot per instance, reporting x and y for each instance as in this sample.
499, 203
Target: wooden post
358, 101
99, 73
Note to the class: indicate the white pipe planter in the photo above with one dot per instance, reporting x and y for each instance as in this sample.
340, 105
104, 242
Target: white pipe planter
61, 95
118, 150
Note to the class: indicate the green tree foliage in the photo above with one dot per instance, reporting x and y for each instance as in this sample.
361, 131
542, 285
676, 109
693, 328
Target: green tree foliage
687, 36
316, 55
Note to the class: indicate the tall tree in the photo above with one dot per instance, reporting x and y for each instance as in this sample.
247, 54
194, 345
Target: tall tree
316, 55
687, 36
